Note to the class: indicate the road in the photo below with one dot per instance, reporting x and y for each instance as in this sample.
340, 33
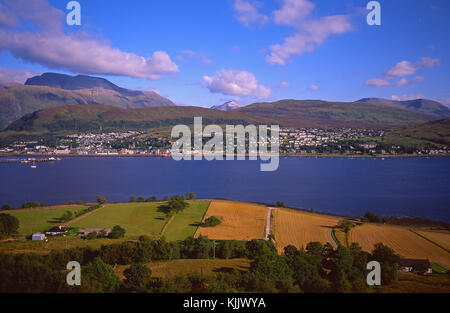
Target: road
330, 236
269, 214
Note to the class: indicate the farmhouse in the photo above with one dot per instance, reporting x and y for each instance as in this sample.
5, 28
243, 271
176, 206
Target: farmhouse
38, 236
55, 231
421, 266
98, 231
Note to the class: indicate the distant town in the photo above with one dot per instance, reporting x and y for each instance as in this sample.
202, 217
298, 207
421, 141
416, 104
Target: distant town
301, 141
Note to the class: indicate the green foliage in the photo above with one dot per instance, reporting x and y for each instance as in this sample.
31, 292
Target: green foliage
9, 225
190, 195
133, 199
212, 221
101, 200
102, 273
117, 232
281, 204
373, 218
136, 276
6, 207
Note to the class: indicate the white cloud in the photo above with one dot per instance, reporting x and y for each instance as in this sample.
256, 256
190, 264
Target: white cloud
248, 15
236, 83
313, 87
78, 52
284, 85
292, 12
377, 82
401, 70
408, 97
311, 32
16, 76
429, 62
190, 54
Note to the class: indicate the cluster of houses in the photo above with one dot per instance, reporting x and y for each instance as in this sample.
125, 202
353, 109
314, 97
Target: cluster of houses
62, 231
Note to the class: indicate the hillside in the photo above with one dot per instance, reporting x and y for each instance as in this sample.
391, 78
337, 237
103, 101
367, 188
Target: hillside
18, 100
317, 113
422, 106
94, 117
436, 131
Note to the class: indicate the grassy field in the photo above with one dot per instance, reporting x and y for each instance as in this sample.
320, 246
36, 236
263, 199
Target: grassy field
298, 228
412, 283
402, 240
185, 223
41, 219
442, 238
55, 243
206, 267
241, 221
137, 218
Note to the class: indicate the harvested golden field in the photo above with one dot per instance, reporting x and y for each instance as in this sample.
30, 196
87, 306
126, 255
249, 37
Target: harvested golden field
298, 228
402, 240
241, 221
440, 237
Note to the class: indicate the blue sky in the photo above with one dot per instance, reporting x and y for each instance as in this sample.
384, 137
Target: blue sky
203, 52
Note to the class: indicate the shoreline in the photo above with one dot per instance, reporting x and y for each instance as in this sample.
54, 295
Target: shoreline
380, 156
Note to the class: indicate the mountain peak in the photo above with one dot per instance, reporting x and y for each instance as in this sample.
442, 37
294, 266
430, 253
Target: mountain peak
227, 106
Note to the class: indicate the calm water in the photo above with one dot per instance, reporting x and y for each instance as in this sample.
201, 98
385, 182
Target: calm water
398, 186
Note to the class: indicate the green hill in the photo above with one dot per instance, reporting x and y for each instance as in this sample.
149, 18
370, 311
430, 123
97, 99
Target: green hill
422, 106
95, 117
436, 131
318, 113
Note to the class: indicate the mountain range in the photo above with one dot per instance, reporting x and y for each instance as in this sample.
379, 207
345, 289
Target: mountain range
422, 106
35, 105
51, 90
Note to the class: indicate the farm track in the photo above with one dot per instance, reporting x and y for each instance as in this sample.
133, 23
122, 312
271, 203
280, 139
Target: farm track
82, 216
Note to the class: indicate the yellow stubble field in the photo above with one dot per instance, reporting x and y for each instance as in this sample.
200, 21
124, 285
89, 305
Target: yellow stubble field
298, 228
405, 243
241, 221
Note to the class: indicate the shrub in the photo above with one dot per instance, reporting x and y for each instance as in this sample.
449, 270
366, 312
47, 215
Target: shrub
212, 221
117, 232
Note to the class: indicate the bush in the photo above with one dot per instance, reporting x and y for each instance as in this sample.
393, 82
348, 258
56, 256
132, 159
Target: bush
9, 225
101, 199
117, 232
6, 207
212, 221
281, 204
92, 235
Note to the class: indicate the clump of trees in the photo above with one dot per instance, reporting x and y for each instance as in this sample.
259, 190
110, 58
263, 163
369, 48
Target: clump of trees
175, 205
373, 218
9, 225
101, 200
212, 221
34, 204
281, 204
117, 232
6, 207
315, 268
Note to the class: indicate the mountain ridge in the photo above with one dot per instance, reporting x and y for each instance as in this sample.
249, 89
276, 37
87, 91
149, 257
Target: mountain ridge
421, 106
18, 100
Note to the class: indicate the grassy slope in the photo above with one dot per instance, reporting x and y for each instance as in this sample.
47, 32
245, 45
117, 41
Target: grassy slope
92, 117
435, 131
316, 113
186, 222
136, 218
39, 220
